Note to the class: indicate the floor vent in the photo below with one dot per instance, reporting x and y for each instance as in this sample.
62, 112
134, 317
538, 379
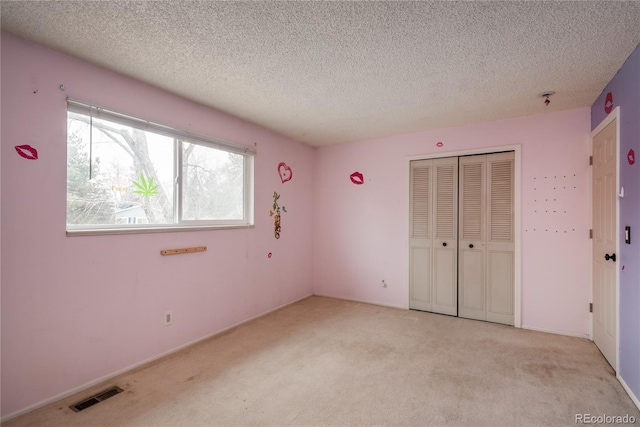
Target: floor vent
103, 395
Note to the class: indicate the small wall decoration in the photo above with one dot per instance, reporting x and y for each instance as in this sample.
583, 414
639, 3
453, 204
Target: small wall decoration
183, 250
631, 157
357, 178
145, 188
269, 255
440, 144
608, 103
276, 221
27, 151
285, 172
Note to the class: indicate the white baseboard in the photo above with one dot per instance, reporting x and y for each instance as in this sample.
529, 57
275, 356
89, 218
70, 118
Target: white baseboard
557, 332
107, 377
633, 397
362, 301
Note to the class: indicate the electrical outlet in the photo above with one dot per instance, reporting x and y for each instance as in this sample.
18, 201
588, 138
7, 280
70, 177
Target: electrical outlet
168, 318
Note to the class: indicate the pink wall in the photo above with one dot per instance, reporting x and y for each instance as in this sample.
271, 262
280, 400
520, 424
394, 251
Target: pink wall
361, 231
75, 309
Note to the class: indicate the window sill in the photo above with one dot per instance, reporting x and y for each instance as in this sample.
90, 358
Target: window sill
144, 230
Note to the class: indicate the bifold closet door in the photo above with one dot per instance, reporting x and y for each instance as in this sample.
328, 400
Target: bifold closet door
433, 236
486, 254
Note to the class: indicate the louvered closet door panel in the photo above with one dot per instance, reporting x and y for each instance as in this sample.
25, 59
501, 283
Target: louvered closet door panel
420, 219
472, 252
445, 226
421, 201
462, 236
500, 241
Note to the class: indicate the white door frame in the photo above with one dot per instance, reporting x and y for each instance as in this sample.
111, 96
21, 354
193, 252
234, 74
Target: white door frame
517, 309
614, 115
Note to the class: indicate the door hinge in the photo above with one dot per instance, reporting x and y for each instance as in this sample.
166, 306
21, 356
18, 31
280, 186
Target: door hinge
591, 233
590, 307
590, 160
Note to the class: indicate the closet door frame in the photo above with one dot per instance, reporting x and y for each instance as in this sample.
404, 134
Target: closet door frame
517, 292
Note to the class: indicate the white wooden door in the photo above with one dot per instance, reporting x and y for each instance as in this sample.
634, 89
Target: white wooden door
433, 236
462, 257
473, 206
420, 235
486, 264
604, 242
500, 241
445, 242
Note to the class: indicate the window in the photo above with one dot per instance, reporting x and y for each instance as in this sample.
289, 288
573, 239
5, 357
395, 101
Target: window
125, 174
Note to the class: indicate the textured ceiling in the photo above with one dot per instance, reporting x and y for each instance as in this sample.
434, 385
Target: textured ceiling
330, 72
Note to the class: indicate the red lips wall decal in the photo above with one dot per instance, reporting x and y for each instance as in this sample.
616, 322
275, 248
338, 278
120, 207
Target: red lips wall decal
439, 144
27, 151
631, 157
357, 178
608, 103
285, 172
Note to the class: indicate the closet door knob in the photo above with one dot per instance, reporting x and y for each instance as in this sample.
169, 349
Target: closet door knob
471, 246
444, 243
611, 257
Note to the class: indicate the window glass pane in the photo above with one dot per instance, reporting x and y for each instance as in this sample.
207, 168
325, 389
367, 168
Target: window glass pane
120, 176
213, 184
117, 175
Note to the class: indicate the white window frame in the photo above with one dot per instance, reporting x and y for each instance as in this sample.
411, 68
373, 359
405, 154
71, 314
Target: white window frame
180, 136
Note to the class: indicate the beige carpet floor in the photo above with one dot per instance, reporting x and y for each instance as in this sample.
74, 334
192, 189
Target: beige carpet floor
328, 362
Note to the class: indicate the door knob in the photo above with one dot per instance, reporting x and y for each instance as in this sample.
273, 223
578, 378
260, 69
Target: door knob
444, 243
611, 257
471, 246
